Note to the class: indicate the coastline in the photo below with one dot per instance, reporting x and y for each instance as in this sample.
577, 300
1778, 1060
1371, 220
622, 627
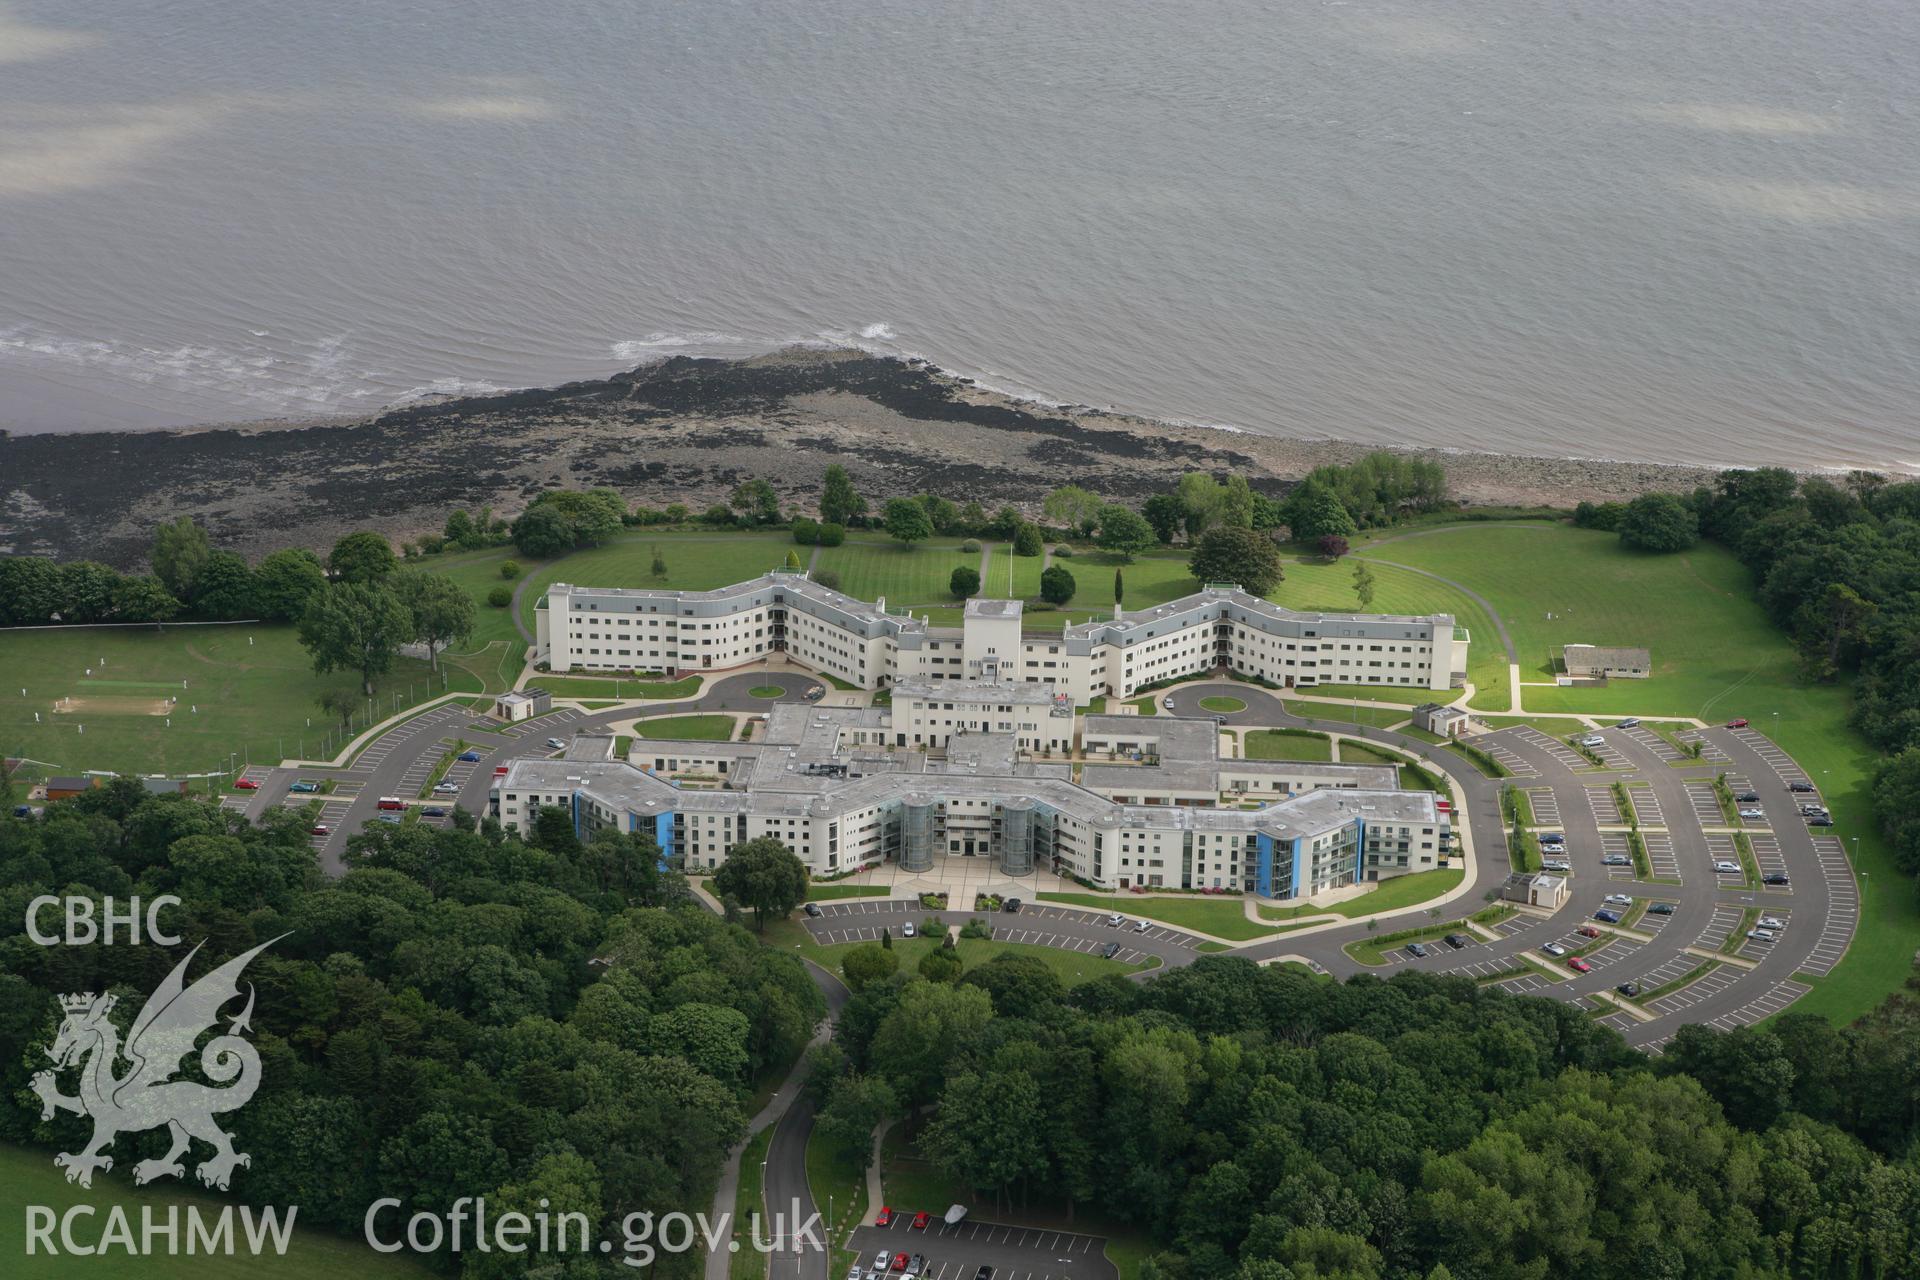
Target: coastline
681, 430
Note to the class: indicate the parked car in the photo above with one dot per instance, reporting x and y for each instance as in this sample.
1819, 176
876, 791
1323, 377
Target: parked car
1738, 722
813, 909
1660, 909
393, 818
1812, 810
304, 787
1722, 865
856, 1273
1748, 797
1771, 922
445, 788
1416, 949
984, 1273
1616, 860
1607, 916
1555, 864
433, 811
1458, 941
471, 757
1776, 878
1115, 920
245, 784
321, 829
1553, 949
1762, 935
1140, 926
1747, 811
1010, 906
1552, 837
1801, 787
1593, 740
920, 1221
915, 1265
908, 930
1820, 820
1111, 950
1618, 899
1631, 722
557, 744
882, 1258
1578, 965
884, 1218
1588, 931
1628, 988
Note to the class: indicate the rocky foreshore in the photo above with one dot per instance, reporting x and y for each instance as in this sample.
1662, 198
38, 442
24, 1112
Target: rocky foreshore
685, 430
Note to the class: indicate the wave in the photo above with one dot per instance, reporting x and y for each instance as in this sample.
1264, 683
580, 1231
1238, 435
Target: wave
656, 346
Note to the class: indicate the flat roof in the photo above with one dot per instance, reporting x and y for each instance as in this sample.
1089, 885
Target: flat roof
977, 608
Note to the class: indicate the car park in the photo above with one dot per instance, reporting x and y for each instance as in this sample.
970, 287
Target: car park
1771, 922
1111, 950
1738, 722
884, 1218
1115, 920
1721, 864
1607, 916
1628, 988
557, 744
1660, 909
303, 787
471, 757
1762, 935
1553, 949
1578, 965
1457, 941
245, 784
920, 1221
908, 930
1588, 931
1618, 900
813, 909
1776, 878
1416, 949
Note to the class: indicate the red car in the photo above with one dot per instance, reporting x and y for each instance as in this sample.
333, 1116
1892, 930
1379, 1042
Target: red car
245, 784
1741, 723
1589, 931
885, 1217
1578, 965
920, 1220
322, 829
899, 1262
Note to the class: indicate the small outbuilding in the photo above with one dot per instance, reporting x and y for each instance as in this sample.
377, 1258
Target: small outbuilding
1444, 722
67, 788
157, 785
1606, 662
1535, 889
522, 704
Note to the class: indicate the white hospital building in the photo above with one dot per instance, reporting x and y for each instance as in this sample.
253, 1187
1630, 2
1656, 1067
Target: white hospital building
1219, 628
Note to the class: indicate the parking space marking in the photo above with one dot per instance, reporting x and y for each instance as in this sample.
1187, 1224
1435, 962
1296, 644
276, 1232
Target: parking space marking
1777, 997
1705, 802
1605, 811
1666, 751
1646, 804
1546, 807
1562, 753
1703, 988
1725, 920
1661, 859
1710, 751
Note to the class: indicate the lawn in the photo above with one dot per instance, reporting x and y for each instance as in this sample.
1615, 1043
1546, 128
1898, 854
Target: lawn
28, 1177
748, 1201
1715, 655
616, 689
1377, 714
828, 892
1223, 916
1390, 895
1352, 752
1072, 967
249, 689
839, 1187
910, 578
1286, 744
1222, 705
477, 573
695, 562
700, 728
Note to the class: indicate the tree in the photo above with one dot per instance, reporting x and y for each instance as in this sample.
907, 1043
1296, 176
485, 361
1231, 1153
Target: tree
500, 597
839, 504
29, 590
793, 562
1027, 540
964, 582
1119, 588
87, 591
1659, 522
441, 612
1236, 503
1072, 508
355, 626
907, 521
757, 500
225, 588
659, 566
542, 532
286, 583
942, 964
362, 557
1005, 523
1363, 585
509, 569
1241, 556
764, 876
1056, 585
868, 963
1200, 498
944, 515
1315, 511
143, 599
458, 529
1332, 545
855, 1105
1124, 531
180, 552
1164, 512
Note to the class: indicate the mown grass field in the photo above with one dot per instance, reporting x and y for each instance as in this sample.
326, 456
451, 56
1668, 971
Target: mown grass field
254, 699
1286, 744
1223, 917
688, 728
914, 578
28, 1177
1715, 656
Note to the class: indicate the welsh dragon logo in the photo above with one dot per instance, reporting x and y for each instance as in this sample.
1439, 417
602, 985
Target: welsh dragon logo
147, 1095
